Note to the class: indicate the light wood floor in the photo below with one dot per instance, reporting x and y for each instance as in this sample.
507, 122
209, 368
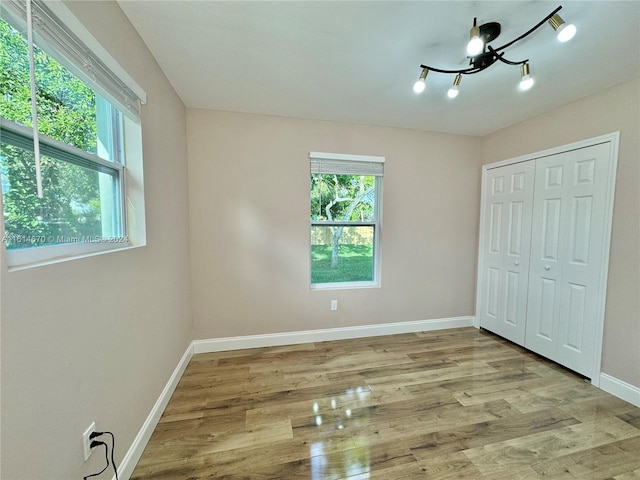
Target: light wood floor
448, 404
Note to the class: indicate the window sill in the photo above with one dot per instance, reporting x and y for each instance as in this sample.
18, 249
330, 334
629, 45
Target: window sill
42, 256
344, 286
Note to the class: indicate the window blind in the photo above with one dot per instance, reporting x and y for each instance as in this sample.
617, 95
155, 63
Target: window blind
52, 36
344, 164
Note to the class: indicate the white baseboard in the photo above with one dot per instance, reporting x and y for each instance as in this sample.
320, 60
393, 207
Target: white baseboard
625, 391
340, 333
609, 384
134, 453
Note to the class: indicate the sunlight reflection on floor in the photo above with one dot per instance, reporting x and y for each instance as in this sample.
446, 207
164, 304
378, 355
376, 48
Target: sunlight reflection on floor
338, 414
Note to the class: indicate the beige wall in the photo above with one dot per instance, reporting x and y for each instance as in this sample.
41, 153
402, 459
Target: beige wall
98, 338
249, 207
616, 109
248, 178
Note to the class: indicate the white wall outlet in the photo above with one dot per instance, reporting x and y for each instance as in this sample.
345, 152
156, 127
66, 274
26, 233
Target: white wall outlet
334, 304
86, 441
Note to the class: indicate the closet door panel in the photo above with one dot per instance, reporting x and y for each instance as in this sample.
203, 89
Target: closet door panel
583, 256
544, 271
566, 255
491, 297
504, 259
552, 209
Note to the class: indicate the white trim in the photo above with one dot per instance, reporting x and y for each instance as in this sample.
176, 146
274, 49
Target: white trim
614, 140
26, 258
479, 263
345, 285
589, 142
134, 453
340, 333
609, 384
131, 458
133, 211
376, 223
625, 391
346, 157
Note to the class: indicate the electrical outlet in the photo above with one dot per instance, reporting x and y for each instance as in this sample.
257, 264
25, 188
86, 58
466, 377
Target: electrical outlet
334, 304
86, 441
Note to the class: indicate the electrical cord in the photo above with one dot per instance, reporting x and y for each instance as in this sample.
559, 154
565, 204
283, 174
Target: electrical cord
94, 444
113, 447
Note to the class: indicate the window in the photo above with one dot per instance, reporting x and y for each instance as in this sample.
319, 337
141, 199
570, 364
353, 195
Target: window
67, 196
346, 200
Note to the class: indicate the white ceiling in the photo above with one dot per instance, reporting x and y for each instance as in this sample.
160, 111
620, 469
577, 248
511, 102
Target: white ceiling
357, 61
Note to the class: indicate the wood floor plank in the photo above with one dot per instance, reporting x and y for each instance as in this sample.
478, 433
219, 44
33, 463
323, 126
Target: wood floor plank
632, 417
411, 366
449, 466
542, 397
601, 407
471, 382
209, 441
429, 376
515, 453
455, 404
604, 461
628, 475
476, 435
480, 350
343, 403
342, 363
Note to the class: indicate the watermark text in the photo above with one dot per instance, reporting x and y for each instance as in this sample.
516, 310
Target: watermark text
41, 240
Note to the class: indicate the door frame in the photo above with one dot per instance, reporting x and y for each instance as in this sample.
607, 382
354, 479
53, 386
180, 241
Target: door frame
614, 140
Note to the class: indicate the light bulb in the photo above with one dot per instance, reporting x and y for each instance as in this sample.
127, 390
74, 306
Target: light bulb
419, 86
475, 45
453, 91
566, 32
526, 83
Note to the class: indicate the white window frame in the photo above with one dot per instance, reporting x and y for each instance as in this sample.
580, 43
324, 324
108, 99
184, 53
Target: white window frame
349, 164
109, 80
74, 156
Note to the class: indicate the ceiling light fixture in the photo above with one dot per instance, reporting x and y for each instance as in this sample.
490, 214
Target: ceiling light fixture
482, 55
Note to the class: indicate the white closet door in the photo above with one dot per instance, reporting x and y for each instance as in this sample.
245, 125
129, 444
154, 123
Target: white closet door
568, 237
506, 243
